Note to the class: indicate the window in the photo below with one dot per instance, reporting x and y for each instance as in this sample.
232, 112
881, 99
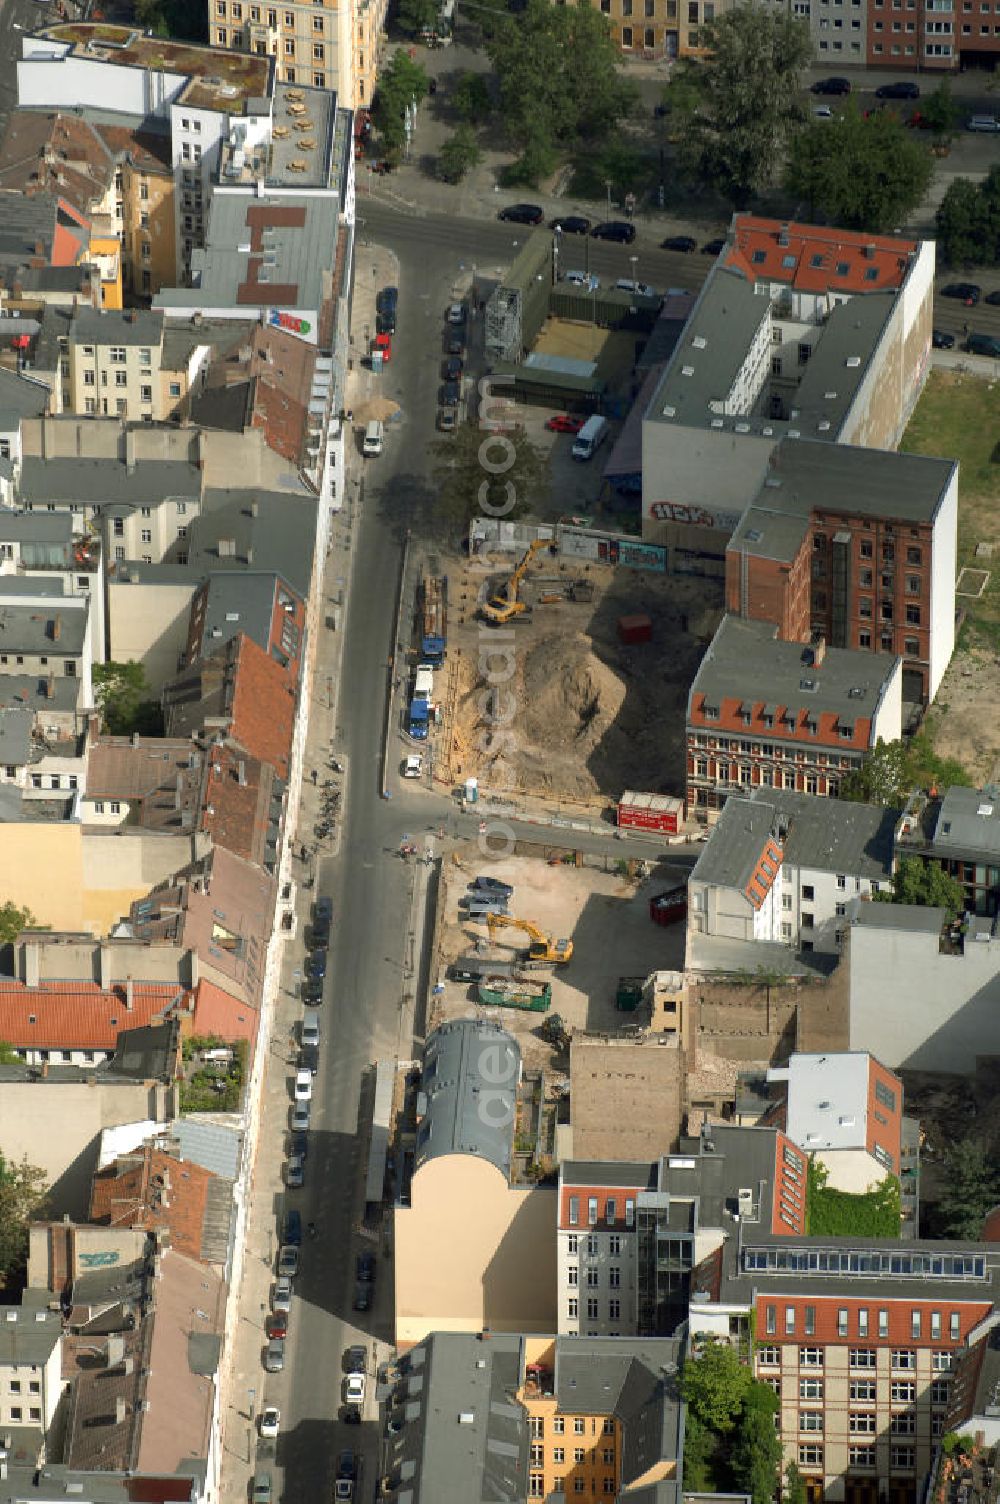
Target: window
574, 1211
883, 1322
592, 1211
903, 1391
175, 389
862, 1390
537, 1456
789, 1320
810, 1456
940, 1389
145, 535
573, 1276
559, 1424
769, 1357
810, 1389
862, 1357
614, 1277
904, 1358
116, 355
941, 1362
558, 1454
630, 1213
608, 1456
863, 1313
842, 1321
614, 1310
904, 1424
913, 556
810, 1310
810, 1420
614, 1244
915, 1324
578, 1425
146, 394
954, 1326
610, 1210
863, 1423
901, 1459
118, 527
591, 1309
536, 1486
592, 1278
578, 1454
861, 1456
810, 1357
770, 1320
572, 1243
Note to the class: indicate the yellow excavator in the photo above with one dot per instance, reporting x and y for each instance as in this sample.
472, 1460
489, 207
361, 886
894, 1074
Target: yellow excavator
543, 947
501, 607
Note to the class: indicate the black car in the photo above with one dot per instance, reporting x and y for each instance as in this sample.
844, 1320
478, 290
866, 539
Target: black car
347, 1466
386, 298
832, 86
452, 368
365, 1267
462, 973
614, 229
311, 991
966, 292
684, 243
385, 323
714, 247
299, 1145
455, 345
491, 886
992, 298
451, 394
898, 91
942, 340
316, 964
352, 1415
309, 1059
573, 224
522, 214
362, 1297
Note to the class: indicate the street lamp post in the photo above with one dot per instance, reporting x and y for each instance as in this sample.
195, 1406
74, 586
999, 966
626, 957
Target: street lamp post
634, 260
607, 184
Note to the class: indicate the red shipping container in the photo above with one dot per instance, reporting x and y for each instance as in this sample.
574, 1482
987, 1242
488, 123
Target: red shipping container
635, 629
667, 908
661, 812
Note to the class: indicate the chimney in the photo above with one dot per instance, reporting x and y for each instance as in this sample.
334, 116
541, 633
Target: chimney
193, 963
129, 999
116, 1349
819, 651
32, 963
121, 1410
255, 509
104, 962
249, 556
241, 773
135, 738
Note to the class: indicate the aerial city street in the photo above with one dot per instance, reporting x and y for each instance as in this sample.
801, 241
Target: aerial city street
499, 752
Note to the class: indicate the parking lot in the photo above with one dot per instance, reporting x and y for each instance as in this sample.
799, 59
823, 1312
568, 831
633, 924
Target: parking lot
604, 914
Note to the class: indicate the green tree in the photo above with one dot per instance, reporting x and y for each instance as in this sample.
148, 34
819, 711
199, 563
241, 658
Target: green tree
401, 83
866, 173
968, 221
8, 1054
940, 110
13, 920
122, 696
756, 1454
699, 1449
881, 778
715, 1386
926, 884
183, 19
417, 15
466, 488
794, 1491
971, 1189
459, 154
22, 1192
470, 98
558, 78
741, 102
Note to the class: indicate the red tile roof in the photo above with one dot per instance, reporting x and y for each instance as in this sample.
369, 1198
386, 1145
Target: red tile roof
79, 1015
814, 259
152, 1189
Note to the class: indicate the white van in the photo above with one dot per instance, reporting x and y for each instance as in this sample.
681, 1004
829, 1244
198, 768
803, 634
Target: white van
374, 437
590, 438
423, 682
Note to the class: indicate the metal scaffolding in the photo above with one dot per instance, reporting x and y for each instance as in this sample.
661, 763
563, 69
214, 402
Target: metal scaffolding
503, 324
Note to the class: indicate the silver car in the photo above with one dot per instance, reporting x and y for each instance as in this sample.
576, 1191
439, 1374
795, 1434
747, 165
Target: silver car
274, 1355
281, 1296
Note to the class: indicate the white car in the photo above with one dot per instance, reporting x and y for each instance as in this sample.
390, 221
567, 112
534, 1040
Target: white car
456, 313
356, 1389
586, 280
281, 1296
822, 112
343, 1490
413, 767
303, 1085
270, 1422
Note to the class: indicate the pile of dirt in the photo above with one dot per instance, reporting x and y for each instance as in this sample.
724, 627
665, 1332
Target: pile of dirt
374, 409
569, 698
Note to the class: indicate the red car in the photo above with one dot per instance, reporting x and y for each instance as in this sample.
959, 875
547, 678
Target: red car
563, 423
277, 1324
383, 342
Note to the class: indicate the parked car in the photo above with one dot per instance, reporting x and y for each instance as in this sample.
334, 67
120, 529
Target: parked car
301, 1117
451, 394
309, 1031
355, 1389
303, 1085
309, 1059
992, 298
942, 340
270, 1422
274, 1355
413, 767
968, 293
356, 1358
572, 224
484, 884
276, 1324
385, 310
683, 243
347, 1466
714, 247
898, 91
343, 1490
311, 991
281, 1294
452, 368
316, 964
522, 214
288, 1261
586, 280
478, 905
455, 345
351, 1415
362, 1297
322, 921
822, 112
386, 297
637, 289
261, 1492
615, 229
366, 1267
292, 1234
456, 313
300, 1145
985, 123
295, 1173
832, 86
460, 973
447, 419
983, 344
564, 423
385, 323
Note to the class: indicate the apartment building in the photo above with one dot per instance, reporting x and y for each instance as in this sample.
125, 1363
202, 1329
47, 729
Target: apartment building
597, 1246
798, 332
336, 45
857, 546
771, 714
30, 1367
781, 868
846, 1110
46, 636
958, 829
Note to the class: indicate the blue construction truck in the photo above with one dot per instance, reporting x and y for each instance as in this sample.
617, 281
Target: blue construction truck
433, 619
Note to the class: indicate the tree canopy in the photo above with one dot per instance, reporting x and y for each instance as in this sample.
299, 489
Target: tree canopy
183, 19
417, 15
122, 695
13, 920
926, 884
939, 110
756, 1454
558, 80
470, 98
22, 1191
863, 172
892, 770
970, 1189
730, 1443
400, 83
459, 154
968, 221
737, 108
478, 473
715, 1386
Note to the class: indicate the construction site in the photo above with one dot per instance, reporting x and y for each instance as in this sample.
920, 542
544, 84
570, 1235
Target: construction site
602, 660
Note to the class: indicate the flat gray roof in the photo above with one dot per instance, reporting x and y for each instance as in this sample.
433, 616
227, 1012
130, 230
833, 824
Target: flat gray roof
608, 1173
809, 477
968, 822
237, 603
769, 533
272, 528
41, 693
28, 1336
104, 326
21, 398
107, 482
916, 918
460, 1059
726, 317
52, 630
747, 661
824, 835
315, 162
15, 735
35, 527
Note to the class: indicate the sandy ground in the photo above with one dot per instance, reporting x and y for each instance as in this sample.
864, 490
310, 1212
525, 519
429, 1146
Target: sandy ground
965, 720
607, 919
588, 715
